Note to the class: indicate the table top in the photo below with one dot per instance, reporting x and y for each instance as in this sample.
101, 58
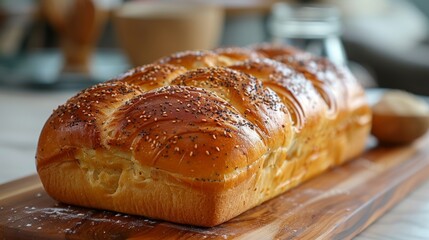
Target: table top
23, 113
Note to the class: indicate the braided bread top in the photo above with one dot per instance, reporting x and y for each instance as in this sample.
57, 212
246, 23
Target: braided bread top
206, 115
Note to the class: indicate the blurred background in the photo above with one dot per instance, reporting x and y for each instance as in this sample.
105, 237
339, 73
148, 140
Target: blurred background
63, 44
50, 49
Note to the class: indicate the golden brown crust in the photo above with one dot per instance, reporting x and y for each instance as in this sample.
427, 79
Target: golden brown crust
181, 129
151, 76
236, 54
296, 92
79, 122
259, 105
273, 51
192, 59
201, 136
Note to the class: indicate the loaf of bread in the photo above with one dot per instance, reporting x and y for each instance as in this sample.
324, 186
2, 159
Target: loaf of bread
199, 137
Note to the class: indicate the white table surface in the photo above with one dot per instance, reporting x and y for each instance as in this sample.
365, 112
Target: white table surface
23, 113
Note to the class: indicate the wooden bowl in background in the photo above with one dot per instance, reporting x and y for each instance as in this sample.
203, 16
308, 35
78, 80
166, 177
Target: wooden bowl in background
150, 30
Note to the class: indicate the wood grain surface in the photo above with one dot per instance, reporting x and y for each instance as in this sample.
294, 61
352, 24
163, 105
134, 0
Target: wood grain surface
336, 205
407, 220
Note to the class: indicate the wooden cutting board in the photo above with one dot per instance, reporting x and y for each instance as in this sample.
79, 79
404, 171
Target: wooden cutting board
336, 205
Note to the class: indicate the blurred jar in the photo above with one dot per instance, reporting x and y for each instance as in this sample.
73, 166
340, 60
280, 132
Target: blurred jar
313, 28
79, 24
